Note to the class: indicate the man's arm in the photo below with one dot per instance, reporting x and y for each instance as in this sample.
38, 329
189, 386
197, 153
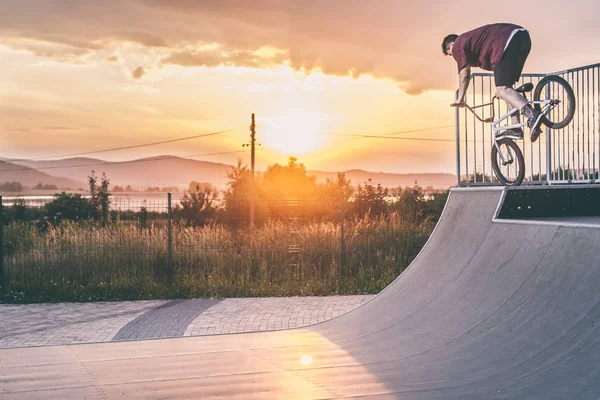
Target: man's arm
463, 84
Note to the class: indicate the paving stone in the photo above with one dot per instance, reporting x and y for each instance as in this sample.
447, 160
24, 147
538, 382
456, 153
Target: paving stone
68, 323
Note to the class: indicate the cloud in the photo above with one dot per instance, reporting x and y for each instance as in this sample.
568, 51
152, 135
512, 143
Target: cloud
218, 56
60, 128
139, 72
143, 38
113, 58
390, 39
61, 52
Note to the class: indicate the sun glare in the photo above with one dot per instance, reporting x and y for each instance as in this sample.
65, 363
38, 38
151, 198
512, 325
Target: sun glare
306, 361
294, 132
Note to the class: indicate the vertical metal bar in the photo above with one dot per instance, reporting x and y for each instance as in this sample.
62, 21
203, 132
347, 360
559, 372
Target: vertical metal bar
531, 160
594, 102
569, 135
491, 131
548, 143
499, 108
582, 137
539, 148
587, 103
555, 148
482, 136
2, 280
474, 137
596, 110
169, 241
561, 140
466, 150
457, 144
578, 134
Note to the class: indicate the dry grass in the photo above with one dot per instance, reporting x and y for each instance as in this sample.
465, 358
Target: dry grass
89, 261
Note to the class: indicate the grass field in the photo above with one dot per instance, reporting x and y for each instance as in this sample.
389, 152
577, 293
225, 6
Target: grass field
90, 261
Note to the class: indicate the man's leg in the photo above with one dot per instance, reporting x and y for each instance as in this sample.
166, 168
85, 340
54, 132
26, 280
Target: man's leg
513, 99
508, 71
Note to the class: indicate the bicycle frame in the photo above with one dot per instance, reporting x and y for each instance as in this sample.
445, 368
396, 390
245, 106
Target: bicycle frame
546, 107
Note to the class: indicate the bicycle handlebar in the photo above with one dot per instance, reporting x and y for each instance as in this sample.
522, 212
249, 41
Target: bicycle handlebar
485, 120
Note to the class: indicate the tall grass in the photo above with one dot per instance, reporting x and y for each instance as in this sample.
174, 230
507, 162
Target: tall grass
121, 261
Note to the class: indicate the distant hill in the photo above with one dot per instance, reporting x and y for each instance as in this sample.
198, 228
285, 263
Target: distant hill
177, 171
10, 172
141, 173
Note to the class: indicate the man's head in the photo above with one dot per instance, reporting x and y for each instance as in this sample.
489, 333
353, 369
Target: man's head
448, 43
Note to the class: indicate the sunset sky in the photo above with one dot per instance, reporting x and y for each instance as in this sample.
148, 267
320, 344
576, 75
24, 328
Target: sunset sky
78, 75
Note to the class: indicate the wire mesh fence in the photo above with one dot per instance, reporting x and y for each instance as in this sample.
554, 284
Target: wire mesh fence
307, 246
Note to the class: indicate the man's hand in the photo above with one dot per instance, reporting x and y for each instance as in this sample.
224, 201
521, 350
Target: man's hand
458, 103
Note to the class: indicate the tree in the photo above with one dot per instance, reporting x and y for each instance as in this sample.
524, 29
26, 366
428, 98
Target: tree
196, 186
435, 205
67, 206
335, 193
41, 186
197, 207
11, 187
371, 199
236, 199
288, 191
100, 196
409, 202
415, 204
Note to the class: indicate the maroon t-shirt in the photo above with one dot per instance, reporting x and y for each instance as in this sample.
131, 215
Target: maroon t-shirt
482, 47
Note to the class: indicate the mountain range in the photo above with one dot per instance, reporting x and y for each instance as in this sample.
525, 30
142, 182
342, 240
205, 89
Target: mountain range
176, 171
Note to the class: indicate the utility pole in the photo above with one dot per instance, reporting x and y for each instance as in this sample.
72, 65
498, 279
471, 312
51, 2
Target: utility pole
252, 145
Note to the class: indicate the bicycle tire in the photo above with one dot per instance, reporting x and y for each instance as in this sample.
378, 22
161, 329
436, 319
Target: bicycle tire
569, 97
519, 159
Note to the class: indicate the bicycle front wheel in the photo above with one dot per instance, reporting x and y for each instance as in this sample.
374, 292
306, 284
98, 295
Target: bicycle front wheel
507, 162
555, 88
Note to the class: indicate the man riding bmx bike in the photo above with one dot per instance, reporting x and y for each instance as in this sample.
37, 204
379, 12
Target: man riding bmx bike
503, 49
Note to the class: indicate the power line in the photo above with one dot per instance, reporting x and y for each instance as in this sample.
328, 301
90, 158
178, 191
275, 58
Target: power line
399, 138
130, 147
351, 136
391, 133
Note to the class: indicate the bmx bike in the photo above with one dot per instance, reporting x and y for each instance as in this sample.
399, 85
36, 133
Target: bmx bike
507, 159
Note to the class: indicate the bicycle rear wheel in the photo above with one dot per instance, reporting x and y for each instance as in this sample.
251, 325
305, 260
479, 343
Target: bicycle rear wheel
553, 87
510, 170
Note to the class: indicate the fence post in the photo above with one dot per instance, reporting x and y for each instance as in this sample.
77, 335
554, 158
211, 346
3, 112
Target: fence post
342, 244
457, 119
169, 242
2, 282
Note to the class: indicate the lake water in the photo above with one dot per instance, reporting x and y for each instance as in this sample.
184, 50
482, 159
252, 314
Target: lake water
157, 202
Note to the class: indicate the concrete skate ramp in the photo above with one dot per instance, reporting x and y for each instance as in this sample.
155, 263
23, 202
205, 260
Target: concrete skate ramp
488, 310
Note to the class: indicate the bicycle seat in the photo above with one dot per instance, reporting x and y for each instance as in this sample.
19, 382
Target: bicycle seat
526, 87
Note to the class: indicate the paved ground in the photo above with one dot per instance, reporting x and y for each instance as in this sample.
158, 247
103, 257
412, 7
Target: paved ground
69, 323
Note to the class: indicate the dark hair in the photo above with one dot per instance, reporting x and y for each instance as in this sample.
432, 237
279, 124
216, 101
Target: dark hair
447, 40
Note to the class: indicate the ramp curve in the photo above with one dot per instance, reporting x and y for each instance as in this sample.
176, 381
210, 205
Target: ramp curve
487, 310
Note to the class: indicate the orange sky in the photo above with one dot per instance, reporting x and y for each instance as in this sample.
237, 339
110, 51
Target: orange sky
81, 76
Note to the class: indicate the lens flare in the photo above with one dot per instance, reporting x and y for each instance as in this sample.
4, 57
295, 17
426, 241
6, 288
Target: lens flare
306, 361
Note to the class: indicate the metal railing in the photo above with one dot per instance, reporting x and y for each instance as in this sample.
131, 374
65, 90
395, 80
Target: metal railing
567, 155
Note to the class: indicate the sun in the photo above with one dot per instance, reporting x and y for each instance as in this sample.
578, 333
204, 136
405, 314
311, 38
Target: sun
294, 132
